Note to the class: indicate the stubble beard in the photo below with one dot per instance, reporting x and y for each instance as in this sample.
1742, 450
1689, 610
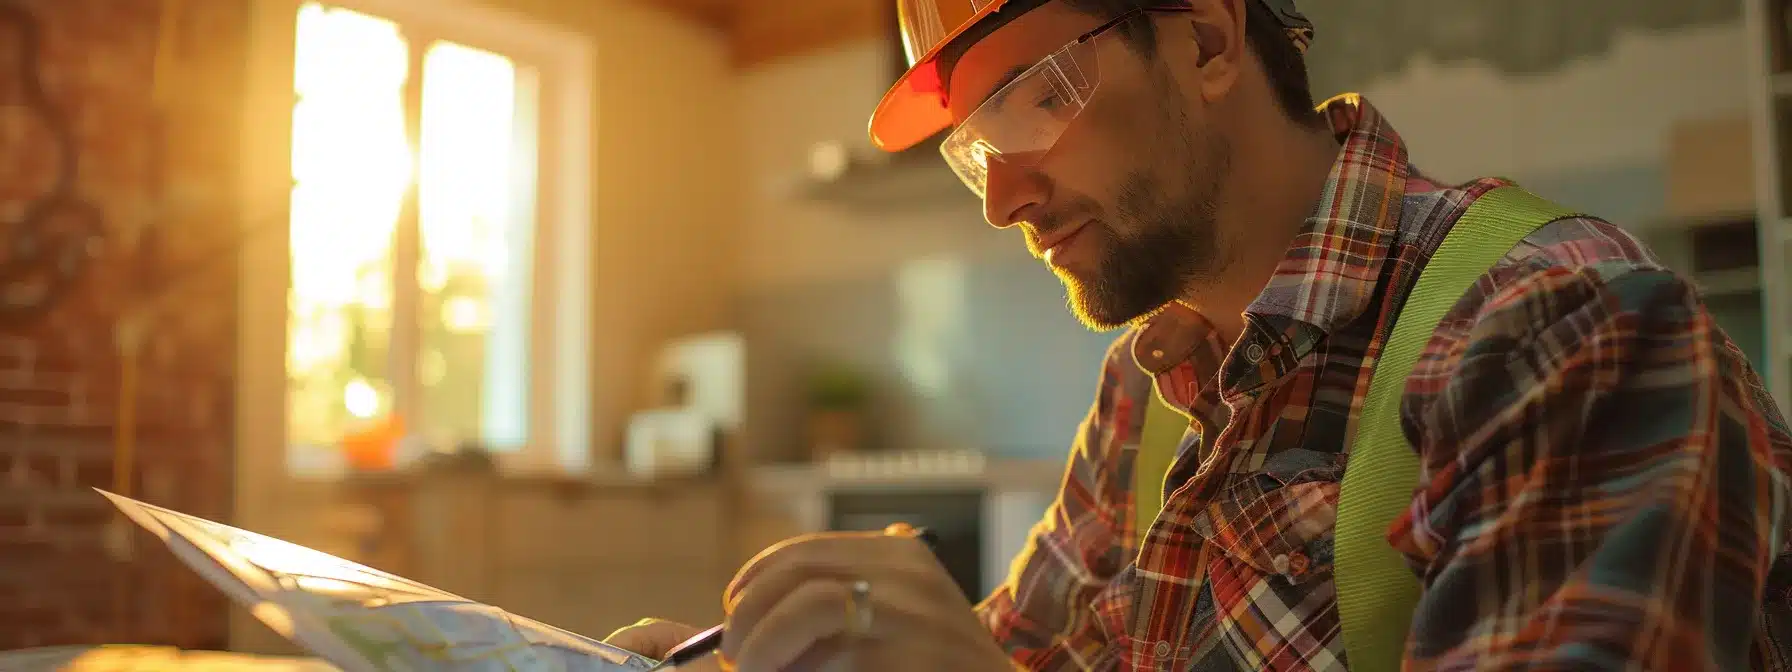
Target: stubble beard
1172, 243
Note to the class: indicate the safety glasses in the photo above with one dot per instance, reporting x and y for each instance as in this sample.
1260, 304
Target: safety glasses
1021, 121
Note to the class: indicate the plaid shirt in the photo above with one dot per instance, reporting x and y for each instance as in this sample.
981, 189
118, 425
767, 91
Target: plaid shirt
1603, 480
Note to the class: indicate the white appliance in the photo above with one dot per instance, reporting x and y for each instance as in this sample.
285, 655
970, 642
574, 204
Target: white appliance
706, 375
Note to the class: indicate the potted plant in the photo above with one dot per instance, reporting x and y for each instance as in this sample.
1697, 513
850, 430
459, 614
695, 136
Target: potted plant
838, 397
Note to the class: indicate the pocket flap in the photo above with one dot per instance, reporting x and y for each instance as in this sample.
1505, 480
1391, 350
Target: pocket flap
1278, 521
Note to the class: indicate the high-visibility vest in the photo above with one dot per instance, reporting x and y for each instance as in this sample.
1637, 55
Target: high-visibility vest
1376, 591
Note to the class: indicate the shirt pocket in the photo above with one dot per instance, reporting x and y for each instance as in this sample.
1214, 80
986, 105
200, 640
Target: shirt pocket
1278, 521
1113, 606
1151, 626
1112, 611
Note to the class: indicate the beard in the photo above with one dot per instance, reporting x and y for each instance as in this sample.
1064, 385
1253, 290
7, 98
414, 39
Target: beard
1158, 241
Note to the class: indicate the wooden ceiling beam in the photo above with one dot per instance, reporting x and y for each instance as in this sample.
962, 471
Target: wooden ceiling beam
717, 14
764, 31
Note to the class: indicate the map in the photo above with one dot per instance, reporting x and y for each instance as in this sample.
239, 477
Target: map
364, 620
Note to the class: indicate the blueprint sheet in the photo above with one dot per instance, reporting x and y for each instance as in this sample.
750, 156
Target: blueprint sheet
364, 620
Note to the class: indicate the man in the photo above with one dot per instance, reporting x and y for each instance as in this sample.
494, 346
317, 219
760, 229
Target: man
1602, 477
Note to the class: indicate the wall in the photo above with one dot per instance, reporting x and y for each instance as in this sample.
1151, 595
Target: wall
1596, 117
823, 279
664, 192
163, 182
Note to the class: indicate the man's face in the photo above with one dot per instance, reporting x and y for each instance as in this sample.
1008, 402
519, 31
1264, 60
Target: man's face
1122, 205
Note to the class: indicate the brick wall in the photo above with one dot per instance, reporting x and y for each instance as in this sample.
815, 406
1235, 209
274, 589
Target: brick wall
164, 179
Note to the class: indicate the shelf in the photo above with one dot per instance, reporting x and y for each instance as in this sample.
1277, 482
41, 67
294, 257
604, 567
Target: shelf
916, 178
1780, 84
1690, 222
895, 185
1730, 281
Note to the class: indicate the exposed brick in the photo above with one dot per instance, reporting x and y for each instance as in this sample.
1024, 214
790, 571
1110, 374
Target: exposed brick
93, 473
59, 376
13, 520
23, 557
83, 515
35, 470
30, 615
34, 396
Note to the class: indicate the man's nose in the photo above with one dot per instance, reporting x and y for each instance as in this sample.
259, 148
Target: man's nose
1012, 194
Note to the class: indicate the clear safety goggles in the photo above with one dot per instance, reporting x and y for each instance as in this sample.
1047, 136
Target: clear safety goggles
1021, 121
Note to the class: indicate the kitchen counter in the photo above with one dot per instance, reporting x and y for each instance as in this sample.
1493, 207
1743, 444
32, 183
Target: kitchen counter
788, 500
132, 658
909, 472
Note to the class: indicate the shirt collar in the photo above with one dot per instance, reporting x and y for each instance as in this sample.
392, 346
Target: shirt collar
1332, 268
1330, 272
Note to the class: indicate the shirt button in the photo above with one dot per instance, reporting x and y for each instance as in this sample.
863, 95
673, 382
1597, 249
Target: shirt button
1280, 562
1253, 352
1297, 564
1163, 649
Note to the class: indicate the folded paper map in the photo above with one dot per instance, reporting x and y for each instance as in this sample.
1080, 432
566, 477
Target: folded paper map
364, 620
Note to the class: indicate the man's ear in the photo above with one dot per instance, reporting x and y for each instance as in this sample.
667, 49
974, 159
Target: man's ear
1219, 38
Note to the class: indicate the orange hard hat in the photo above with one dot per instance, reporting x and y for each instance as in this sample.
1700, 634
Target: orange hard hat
915, 108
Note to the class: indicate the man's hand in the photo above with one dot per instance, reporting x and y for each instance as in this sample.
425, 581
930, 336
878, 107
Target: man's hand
791, 608
653, 637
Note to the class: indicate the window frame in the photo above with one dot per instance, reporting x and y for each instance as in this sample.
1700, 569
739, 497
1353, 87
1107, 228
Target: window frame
558, 64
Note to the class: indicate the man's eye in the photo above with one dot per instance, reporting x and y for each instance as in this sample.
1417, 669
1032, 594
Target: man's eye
1050, 101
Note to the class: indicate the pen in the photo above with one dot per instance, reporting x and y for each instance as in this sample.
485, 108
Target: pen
706, 642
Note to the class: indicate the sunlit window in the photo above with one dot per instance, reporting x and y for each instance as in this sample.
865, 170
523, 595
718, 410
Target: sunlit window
475, 308
444, 340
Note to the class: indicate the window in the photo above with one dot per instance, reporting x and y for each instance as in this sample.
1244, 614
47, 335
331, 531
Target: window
421, 304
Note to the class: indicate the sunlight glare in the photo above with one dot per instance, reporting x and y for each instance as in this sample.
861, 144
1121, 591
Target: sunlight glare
352, 164
361, 400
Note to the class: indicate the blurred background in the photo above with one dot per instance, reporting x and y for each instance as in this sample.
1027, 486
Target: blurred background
572, 306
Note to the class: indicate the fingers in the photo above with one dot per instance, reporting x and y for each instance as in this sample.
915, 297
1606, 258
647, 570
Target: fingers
779, 572
792, 628
651, 637
832, 655
900, 530
813, 550
826, 553
788, 608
